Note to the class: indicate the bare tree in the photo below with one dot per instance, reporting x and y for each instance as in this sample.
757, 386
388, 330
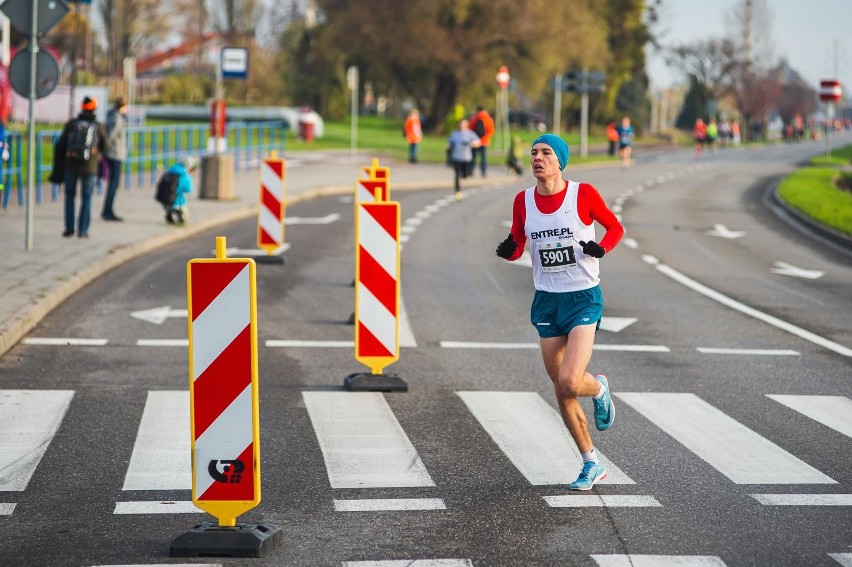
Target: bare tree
710, 64
131, 27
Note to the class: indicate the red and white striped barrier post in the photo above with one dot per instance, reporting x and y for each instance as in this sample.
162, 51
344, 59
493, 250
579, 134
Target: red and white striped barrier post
270, 216
224, 413
376, 296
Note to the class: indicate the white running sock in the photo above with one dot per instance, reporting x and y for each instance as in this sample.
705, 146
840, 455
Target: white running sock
590, 456
600, 393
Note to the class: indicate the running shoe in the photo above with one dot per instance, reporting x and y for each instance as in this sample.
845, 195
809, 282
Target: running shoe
604, 409
591, 474
459, 196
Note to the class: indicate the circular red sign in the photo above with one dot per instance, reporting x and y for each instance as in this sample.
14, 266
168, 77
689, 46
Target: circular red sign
830, 91
503, 77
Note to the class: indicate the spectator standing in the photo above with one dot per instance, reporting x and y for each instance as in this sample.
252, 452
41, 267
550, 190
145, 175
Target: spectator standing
116, 154
612, 137
80, 145
516, 155
460, 145
413, 134
735, 133
483, 126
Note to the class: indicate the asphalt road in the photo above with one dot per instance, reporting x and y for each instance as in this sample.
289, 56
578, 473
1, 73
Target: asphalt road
728, 355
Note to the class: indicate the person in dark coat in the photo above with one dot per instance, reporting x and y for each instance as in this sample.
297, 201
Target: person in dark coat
79, 162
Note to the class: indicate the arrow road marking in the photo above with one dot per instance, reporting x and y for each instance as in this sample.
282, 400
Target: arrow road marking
158, 315
723, 231
786, 269
616, 324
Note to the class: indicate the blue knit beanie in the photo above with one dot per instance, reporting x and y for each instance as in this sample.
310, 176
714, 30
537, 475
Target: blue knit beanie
559, 147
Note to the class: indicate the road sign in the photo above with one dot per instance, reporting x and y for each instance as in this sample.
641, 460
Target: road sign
47, 72
830, 90
20, 14
503, 77
270, 216
222, 311
234, 62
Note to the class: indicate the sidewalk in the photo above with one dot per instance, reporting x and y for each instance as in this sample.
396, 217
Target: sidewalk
33, 282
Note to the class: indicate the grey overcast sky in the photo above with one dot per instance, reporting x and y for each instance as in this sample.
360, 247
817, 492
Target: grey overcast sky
815, 36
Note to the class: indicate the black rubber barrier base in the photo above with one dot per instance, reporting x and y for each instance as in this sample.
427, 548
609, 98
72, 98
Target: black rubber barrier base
268, 259
209, 539
364, 382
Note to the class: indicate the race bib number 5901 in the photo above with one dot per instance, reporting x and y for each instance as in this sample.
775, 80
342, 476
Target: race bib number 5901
556, 256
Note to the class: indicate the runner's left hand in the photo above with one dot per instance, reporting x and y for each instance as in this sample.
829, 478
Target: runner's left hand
592, 248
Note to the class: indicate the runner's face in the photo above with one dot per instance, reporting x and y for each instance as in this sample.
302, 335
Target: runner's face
544, 162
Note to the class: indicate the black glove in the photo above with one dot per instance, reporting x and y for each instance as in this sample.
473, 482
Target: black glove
506, 248
592, 248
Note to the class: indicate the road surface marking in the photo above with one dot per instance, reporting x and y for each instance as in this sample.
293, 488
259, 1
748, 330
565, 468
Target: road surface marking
411, 563
803, 499
62, 341
161, 453
745, 309
531, 434
844, 559
602, 501
157, 507
832, 411
6, 508
634, 560
476, 345
163, 342
28, 421
363, 444
389, 504
748, 351
721, 441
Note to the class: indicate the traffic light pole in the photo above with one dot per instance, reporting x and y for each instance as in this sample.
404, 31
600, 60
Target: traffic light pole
557, 103
584, 114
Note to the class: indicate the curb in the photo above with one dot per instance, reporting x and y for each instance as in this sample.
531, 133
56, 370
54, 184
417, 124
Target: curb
832, 237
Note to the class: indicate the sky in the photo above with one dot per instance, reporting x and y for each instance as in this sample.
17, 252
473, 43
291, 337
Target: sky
815, 36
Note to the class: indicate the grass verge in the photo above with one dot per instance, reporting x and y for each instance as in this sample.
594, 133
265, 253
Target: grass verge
813, 190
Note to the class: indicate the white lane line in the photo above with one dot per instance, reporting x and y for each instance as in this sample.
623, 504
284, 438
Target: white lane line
844, 559
163, 342
602, 501
28, 421
308, 344
748, 351
634, 560
6, 508
411, 563
63, 341
161, 453
832, 411
157, 507
632, 348
480, 345
363, 444
803, 499
531, 434
461, 344
750, 311
688, 419
389, 504
406, 335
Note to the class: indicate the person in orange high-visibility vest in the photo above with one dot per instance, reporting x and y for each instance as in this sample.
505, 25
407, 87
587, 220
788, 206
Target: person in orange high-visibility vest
413, 133
612, 136
483, 126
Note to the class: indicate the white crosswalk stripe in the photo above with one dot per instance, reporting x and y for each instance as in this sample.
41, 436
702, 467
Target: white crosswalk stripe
688, 419
532, 435
634, 560
832, 411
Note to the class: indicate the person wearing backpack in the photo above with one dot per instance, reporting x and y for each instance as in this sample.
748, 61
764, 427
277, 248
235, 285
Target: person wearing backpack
116, 153
80, 145
483, 126
173, 187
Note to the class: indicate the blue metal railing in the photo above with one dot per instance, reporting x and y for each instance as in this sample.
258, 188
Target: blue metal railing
151, 149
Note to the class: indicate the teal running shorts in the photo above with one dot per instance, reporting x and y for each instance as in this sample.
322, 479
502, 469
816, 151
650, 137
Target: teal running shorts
555, 314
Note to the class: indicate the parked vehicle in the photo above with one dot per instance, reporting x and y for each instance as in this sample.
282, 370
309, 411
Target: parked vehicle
532, 121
